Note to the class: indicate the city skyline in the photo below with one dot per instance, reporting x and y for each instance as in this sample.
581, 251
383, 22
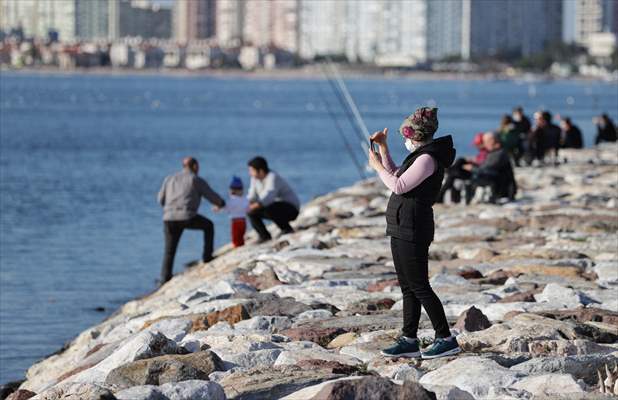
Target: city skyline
372, 31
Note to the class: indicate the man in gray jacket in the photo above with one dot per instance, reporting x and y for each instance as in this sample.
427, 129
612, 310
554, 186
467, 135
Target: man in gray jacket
270, 197
180, 197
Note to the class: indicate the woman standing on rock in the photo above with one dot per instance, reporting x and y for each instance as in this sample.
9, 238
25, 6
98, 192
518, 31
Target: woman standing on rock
409, 217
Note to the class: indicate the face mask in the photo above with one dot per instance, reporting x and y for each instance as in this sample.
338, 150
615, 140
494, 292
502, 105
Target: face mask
410, 146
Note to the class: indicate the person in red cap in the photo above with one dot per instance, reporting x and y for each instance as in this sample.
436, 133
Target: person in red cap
457, 171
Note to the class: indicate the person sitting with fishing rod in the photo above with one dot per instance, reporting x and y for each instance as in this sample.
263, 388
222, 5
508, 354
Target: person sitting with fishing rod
415, 186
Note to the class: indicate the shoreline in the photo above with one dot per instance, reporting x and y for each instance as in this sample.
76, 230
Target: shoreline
309, 73
328, 293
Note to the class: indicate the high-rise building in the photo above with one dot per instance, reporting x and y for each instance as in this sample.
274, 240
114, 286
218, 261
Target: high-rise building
194, 19
477, 28
143, 18
402, 33
363, 24
229, 17
445, 29
591, 16
322, 28
271, 23
91, 19
390, 33
39, 17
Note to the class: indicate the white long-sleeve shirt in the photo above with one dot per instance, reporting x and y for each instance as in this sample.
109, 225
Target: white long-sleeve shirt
271, 189
236, 206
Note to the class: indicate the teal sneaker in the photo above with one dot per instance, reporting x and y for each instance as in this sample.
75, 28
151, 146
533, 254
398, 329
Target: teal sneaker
442, 347
403, 348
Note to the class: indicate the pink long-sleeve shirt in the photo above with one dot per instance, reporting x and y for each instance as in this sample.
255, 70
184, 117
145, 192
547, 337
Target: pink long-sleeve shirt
421, 169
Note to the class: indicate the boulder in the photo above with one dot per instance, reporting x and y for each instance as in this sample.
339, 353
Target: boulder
370, 305
292, 357
567, 347
579, 366
252, 359
76, 391
332, 366
193, 389
262, 280
342, 340
272, 383
21, 394
464, 372
321, 336
562, 296
9, 387
449, 392
582, 314
164, 369
549, 385
470, 273
365, 387
526, 296
362, 387
314, 314
141, 346
146, 392
266, 323
472, 320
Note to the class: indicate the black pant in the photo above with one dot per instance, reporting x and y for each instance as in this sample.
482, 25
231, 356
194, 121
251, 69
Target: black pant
173, 230
280, 212
456, 171
411, 264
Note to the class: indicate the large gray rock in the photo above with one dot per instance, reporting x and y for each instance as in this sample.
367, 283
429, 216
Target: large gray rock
465, 373
562, 296
146, 392
143, 345
549, 385
265, 323
362, 387
191, 390
449, 392
272, 383
259, 358
580, 367
164, 369
76, 391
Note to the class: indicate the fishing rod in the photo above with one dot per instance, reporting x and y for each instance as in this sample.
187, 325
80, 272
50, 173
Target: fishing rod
350, 104
341, 132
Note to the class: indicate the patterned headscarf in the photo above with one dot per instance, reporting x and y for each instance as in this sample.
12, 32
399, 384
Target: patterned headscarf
421, 125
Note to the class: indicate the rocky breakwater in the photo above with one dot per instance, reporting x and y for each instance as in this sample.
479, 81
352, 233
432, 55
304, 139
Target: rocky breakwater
531, 288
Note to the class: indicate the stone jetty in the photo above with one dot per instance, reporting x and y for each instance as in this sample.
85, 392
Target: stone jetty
530, 288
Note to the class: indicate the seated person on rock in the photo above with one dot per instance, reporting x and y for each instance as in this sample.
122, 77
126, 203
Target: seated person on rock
496, 171
456, 171
270, 197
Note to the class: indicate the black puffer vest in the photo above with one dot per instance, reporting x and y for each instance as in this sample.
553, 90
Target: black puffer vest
409, 216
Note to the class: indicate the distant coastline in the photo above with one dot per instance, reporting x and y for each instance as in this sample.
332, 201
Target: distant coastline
307, 72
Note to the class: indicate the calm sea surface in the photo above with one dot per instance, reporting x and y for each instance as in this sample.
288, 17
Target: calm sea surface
82, 158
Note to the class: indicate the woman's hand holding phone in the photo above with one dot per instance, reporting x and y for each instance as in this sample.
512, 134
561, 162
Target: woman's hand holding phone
379, 137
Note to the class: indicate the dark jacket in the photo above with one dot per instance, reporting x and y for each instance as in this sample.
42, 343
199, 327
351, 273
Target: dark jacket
409, 216
495, 162
606, 133
573, 138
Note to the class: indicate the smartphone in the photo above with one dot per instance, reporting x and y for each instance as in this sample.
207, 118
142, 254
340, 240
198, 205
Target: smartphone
373, 145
